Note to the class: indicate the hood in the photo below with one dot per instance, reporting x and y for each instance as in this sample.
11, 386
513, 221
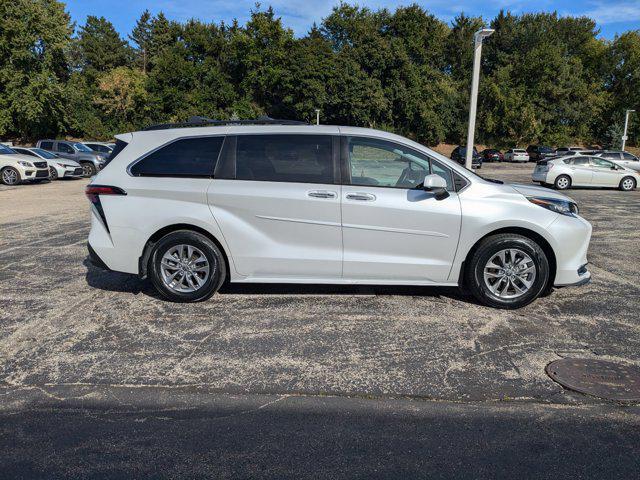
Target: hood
533, 191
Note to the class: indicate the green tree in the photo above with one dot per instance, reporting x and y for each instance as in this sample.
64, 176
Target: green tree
100, 45
33, 37
141, 37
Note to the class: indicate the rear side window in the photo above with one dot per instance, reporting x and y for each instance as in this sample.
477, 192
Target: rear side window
188, 157
46, 145
285, 158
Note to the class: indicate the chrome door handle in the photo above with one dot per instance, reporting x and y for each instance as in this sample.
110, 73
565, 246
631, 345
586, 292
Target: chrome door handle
322, 194
362, 197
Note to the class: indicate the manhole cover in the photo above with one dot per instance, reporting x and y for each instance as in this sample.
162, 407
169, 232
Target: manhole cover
600, 378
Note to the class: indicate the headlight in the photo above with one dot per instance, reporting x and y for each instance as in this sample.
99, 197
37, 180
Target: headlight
563, 207
61, 165
25, 164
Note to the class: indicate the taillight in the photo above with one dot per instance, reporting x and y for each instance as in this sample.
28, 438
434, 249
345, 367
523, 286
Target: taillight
93, 193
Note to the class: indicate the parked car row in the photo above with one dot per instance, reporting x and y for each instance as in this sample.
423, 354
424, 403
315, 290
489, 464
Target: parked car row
51, 160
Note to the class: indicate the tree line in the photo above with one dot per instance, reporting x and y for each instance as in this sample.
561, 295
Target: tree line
545, 78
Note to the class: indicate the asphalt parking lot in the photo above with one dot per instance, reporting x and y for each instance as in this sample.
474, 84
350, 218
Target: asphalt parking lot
293, 380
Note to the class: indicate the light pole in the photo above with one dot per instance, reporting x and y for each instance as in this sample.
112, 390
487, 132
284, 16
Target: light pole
475, 79
317, 116
626, 125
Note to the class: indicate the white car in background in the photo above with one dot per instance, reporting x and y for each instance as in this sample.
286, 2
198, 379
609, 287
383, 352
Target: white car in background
624, 159
582, 171
58, 167
16, 168
286, 203
516, 155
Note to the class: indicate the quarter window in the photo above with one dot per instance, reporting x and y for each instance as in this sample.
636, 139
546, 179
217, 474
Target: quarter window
285, 158
188, 157
46, 145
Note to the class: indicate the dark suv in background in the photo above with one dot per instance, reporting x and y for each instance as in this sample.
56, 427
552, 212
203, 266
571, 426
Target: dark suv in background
91, 161
459, 154
539, 152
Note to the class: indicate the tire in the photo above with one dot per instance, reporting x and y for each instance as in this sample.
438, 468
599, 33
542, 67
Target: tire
88, 169
627, 184
10, 176
562, 182
486, 282
175, 246
53, 174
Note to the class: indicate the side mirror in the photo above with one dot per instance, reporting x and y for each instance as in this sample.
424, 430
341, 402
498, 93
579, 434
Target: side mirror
436, 184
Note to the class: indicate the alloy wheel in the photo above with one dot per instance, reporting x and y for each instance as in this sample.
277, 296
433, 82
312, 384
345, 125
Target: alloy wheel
53, 173
510, 273
184, 268
627, 184
562, 182
87, 169
10, 176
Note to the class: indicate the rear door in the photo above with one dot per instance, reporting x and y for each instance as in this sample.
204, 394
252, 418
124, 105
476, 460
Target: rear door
393, 231
581, 171
276, 199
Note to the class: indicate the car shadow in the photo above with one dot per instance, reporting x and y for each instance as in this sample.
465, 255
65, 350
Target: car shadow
127, 283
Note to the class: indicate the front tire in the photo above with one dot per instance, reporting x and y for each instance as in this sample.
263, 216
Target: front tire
507, 271
186, 266
627, 184
53, 174
10, 176
88, 169
562, 182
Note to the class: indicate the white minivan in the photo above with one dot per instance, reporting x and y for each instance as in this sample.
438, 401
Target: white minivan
278, 202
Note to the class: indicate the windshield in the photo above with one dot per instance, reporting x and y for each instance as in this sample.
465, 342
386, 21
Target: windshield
4, 150
44, 153
81, 147
545, 149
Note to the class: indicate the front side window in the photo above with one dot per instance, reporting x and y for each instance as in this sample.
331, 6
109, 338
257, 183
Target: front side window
187, 157
601, 163
379, 163
64, 148
285, 158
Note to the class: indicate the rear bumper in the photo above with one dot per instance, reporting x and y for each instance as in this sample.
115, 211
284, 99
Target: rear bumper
95, 259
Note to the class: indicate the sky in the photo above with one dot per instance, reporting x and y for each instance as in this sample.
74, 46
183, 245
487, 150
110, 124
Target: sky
612, 16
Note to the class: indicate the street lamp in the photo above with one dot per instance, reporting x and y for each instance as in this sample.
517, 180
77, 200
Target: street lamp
473, 103
317, 116
626, 124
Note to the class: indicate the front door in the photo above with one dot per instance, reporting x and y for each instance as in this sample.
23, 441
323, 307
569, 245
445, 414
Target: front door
280, 211
605, 173
392, 230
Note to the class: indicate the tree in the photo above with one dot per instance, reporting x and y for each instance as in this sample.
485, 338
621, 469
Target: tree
141, 36
101, 47
33, 37
122, 97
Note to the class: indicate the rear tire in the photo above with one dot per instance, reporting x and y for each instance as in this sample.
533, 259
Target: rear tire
186, 266
562, 182
520, 279
627, 184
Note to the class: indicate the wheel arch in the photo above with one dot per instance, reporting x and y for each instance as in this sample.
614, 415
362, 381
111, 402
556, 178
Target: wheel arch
525, 232
143, 261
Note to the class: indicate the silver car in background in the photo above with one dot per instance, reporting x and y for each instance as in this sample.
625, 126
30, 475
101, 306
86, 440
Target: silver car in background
624, 159
584, 171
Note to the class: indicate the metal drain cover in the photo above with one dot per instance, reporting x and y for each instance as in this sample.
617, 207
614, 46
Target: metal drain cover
600, 378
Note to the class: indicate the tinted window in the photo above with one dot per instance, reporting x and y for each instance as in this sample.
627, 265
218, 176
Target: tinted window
45, 154
285, 158
25, 152
189, 157
628, 156
99, 148
46, 145
119, 146
64, 148
4, 150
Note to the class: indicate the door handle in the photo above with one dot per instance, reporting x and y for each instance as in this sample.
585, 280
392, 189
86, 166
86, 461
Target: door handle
322, 194
362, 197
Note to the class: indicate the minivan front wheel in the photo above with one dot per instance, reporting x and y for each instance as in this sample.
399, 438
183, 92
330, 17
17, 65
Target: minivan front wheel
186, 266
507, 271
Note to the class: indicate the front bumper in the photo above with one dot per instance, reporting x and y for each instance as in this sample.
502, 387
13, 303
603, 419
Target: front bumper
30, 174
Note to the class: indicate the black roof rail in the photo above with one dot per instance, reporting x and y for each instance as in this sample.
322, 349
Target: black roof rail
204, 121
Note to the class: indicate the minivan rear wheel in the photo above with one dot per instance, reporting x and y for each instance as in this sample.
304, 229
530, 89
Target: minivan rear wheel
186, 266
507, 271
